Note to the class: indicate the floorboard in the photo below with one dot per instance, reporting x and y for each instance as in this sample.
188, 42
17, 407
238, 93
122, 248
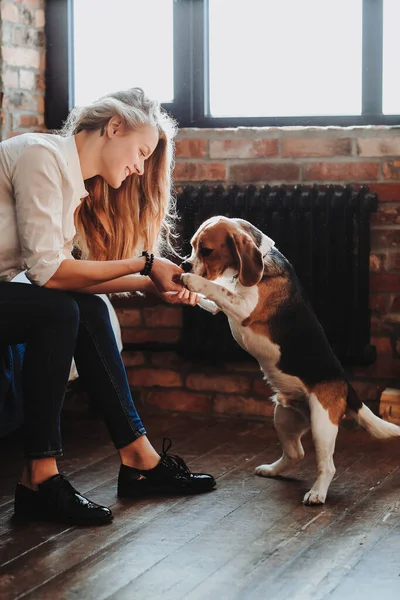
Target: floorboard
251, 538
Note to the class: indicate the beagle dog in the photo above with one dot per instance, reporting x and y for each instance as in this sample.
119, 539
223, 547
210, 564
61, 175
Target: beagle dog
239, 271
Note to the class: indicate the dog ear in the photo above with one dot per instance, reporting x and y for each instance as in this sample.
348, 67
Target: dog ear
249, 259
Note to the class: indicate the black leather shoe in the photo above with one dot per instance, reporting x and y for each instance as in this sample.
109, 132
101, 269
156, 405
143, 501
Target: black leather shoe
57, 500
170, 476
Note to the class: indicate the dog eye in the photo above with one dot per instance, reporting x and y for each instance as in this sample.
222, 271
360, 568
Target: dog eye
206, 251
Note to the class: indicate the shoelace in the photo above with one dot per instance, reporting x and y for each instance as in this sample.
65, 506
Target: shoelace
66, 489
173, 461
61, 489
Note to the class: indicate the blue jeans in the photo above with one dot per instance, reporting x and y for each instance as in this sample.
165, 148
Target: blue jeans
57, 326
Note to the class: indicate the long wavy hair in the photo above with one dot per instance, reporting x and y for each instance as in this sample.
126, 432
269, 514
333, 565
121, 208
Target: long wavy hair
114, 224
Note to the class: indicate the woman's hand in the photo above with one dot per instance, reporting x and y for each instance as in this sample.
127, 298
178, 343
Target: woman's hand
165, 274
182, 297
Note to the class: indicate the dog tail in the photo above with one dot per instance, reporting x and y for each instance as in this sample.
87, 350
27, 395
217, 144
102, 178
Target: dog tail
365, 417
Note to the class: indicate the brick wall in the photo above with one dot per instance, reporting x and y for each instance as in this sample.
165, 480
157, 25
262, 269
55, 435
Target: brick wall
168, 381
275, 156
22, 66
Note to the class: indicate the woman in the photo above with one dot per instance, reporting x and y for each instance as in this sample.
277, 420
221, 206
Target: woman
105, 183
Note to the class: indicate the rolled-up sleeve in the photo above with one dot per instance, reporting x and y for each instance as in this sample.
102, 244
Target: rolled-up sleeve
37, 183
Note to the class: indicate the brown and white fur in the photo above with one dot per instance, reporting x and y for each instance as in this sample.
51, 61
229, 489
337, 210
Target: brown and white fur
240, 272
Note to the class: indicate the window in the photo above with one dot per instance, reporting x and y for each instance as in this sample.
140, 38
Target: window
286, 58
229, 62
115, 44
391, 52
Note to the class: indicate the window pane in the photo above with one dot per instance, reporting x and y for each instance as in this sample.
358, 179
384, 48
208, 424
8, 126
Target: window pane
391, 49
122, 44
285, 58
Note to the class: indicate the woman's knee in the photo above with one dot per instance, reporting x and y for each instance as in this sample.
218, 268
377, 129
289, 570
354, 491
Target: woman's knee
65, 309
91, 307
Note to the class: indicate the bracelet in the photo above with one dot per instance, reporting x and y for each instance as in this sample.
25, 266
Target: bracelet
148, 264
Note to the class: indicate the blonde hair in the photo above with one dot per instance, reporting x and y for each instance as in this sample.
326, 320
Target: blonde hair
114, 224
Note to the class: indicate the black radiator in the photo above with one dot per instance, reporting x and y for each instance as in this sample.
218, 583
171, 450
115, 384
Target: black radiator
324, 231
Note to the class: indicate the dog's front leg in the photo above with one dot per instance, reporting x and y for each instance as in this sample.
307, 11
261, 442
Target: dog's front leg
209, 306
230, 303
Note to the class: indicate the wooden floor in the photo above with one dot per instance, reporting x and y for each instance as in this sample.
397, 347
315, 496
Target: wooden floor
249, 539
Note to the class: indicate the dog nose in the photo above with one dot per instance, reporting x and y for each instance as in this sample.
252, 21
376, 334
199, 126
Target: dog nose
186, 266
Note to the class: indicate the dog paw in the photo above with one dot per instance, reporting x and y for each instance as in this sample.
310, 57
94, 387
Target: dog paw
266, 471
281, 399
194, 283
313, 498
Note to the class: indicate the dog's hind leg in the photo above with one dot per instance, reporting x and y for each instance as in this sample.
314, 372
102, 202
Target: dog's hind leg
324, 434
290, 425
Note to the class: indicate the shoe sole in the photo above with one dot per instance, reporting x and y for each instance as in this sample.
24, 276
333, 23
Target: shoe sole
155, 491
26, 517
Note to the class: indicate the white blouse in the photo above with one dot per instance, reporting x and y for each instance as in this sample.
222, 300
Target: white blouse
41, 185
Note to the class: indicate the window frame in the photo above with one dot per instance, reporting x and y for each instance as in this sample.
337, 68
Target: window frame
191, 95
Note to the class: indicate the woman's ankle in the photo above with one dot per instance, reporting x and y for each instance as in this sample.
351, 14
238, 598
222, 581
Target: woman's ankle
140, 454
37, 471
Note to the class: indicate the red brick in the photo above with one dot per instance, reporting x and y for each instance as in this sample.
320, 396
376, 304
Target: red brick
383, 345
20, 100
387, 192
166, 359
132, 358
394, 261
199, 171
140, 335
129, 317
243, 148
395, 238
314, 147
368, 391
25, 36
129, 302
10, 78
40, 82
33, 3
264, 171
395, 306
385, 367
385, 238
9, 12
190, 148
377, 262
350, 171
146, 377
391, 169
386, 215
243, 405
377, 326
250, 366
379, 302
40, 104
378, 146
172, 360
21, 57
26, 121
39, 18
163, 316
385, 282
218, 383
180, 400
261, 388
27, 79
380, 239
